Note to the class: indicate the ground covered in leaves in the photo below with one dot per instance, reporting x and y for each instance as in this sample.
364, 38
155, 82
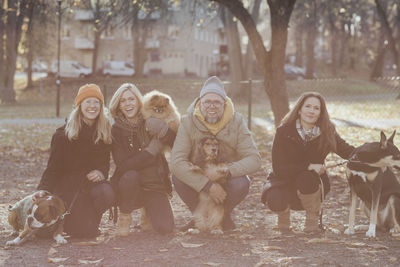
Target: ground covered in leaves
255, 242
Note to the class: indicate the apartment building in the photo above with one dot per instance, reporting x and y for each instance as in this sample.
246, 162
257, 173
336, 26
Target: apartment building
184, 41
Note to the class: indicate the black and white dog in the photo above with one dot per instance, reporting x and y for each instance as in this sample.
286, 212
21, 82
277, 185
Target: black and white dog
371, 179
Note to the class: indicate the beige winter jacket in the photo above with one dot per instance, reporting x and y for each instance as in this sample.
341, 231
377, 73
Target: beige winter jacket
236, 140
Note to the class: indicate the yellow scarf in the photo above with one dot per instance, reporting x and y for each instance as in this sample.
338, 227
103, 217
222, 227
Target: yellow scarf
226, 117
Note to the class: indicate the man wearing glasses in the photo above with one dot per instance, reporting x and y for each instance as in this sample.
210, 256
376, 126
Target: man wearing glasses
212, 115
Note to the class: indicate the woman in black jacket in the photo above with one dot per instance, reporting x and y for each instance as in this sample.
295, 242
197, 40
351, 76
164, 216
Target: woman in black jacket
301, 144
79, 162
141, 178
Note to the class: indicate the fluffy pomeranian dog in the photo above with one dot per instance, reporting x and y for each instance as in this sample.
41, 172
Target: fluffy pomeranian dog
208, 156
159, 105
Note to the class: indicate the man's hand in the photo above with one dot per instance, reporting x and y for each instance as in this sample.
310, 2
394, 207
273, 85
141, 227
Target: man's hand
216, 172
217, 193
318, 168
95, 176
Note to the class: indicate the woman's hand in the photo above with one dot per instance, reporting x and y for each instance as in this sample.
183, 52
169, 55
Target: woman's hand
95, 176
318, 168
38, 194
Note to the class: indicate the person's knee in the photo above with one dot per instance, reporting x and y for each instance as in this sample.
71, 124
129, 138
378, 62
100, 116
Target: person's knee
238, 185
307, 182
275, 201
129, 180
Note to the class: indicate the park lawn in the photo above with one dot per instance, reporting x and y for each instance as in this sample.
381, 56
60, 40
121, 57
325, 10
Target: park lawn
346, 97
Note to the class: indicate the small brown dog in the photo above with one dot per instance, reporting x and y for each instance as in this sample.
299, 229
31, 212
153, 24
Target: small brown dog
159, 105
208, 156
31, 217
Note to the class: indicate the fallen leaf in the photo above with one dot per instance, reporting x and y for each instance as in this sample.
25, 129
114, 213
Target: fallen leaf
90, 261
88, 243
357, 244
272, 248
211, 263
163, 250
51, 251
55, 260
190, 245
321, 240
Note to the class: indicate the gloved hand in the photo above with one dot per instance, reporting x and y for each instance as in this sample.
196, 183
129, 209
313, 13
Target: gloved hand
156, 127
155, 146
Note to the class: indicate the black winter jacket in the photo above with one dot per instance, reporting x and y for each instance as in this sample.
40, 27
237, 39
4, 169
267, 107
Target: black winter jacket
291, 155
128, 151
71, 161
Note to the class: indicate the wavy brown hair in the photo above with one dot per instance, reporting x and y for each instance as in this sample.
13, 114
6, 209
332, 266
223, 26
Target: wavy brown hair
328, 131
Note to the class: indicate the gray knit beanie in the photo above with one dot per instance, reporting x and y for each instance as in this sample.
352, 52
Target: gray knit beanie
213, 85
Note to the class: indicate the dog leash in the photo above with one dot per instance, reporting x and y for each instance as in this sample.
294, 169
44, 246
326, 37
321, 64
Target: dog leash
336, 165
68, 211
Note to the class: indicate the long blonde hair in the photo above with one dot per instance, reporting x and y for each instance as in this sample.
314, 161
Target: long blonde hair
103, 126
114, 103
328, 131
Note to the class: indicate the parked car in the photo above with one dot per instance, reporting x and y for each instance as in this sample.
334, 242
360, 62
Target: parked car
294, 72
70, 68
38, 66
118, 68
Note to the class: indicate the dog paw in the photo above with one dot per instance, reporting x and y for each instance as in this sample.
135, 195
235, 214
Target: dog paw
217, 232
370, 234
193, 231
14, 242
349, 231
60, 240
14, 234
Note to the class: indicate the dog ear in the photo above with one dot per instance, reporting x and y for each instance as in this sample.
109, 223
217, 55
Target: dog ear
390, 140
383, 142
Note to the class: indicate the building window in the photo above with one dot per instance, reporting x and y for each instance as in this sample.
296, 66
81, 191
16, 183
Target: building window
127, 32
196, 33
154, 56
173, 31
65, 32
108, 33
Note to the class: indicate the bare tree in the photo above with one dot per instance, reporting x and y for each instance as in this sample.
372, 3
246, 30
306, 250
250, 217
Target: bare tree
271, 63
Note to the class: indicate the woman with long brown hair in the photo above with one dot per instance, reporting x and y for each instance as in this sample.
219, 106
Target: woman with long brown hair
299, 179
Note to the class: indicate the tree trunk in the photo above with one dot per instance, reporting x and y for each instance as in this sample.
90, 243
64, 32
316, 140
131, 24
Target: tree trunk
235, 54
380, 59
334, 37
2, 15
140, 34
96, 43
299, 47
248, 60
7, 94
29, 37
270, 63
389, 34
310, 43
344, 41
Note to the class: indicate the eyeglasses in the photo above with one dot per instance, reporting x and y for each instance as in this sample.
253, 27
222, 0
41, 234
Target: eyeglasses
209, 103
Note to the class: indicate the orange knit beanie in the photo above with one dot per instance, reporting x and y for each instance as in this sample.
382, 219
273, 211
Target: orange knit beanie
88, 90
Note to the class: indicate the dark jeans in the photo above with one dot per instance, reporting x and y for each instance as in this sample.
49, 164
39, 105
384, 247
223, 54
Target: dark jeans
236, 189
132, 196
88, 209
281, 197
